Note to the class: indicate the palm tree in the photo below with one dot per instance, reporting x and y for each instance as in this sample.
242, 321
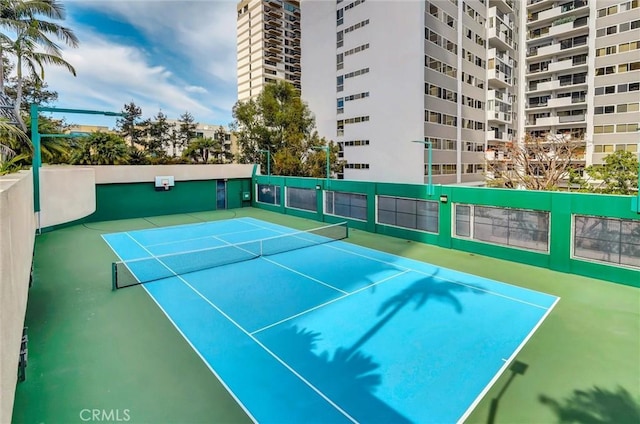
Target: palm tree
200, 148
21, 16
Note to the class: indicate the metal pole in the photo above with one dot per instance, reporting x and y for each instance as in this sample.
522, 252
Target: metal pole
429, 158
36, 138
35, 163
328, 164
268, 152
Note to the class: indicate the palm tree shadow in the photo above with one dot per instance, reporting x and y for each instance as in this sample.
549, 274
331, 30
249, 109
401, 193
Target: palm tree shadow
348, 378
596, 406
428, 288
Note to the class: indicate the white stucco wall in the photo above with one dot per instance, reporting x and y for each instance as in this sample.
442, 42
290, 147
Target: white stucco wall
17, 237
67, 193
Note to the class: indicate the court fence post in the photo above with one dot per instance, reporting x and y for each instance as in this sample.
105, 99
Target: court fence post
114, 276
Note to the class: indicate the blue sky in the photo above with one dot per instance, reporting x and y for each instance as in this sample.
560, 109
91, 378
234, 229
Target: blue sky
168, 55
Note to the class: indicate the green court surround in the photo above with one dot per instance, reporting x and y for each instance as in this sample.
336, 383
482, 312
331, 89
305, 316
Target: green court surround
92, 348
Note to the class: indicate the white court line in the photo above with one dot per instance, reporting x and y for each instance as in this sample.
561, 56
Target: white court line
333, 246
327, 303
443, 278
265, 348
193, 224
202, 238
505, 366
207, 364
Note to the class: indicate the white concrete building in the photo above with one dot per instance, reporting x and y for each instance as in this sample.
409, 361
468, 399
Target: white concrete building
492, 71
268, 44
404, 71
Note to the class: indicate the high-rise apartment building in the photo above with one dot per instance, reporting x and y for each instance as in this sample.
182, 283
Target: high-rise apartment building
268, 37
467, 77
409, 75
583, 73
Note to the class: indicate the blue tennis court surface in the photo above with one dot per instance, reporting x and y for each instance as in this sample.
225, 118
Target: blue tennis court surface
336, 332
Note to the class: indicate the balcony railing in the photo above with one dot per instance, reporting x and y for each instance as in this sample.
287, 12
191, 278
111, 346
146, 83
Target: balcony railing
571, 118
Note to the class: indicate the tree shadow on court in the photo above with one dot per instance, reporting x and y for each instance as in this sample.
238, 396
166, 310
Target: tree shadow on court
428, 288
596, 406
348, 375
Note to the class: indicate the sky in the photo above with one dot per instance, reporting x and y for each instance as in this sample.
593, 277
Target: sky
168, 55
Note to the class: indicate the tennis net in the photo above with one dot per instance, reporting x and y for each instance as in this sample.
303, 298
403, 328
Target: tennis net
145, 270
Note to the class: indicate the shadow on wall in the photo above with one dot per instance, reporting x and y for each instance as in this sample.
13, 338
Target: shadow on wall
596, 406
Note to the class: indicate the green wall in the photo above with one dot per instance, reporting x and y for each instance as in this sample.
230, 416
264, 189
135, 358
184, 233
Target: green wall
135, 200
561, 205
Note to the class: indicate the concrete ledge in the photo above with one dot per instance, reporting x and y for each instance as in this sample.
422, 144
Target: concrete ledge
114, 174
17, 237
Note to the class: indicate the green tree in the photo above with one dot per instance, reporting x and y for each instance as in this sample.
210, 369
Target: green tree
225, 155
618, 174
131, 127
32, 33
159, 135
186, 130
34, 91
101, 149
201, 149
279, 121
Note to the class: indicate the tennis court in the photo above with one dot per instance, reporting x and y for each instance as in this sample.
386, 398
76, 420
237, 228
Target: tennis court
330, 331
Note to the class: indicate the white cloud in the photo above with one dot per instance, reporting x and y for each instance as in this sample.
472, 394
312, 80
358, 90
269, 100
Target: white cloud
204, 31
110, 75
196, 89
198, 35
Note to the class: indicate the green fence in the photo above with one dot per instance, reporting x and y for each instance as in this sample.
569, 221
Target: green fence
586, 249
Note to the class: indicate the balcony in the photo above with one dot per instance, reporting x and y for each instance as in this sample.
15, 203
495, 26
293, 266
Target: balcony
496, 155
273, 30
571, 27
558, 120
560, 102
499, 79
561, 65
500, 55
505, 6
549, 15
498, 136
499, 39
571, 119
500, 117
549, 50
500, 16
499, 95
545, 86
548, 121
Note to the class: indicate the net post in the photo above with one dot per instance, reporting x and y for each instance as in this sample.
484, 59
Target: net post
346, 229
114, 276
